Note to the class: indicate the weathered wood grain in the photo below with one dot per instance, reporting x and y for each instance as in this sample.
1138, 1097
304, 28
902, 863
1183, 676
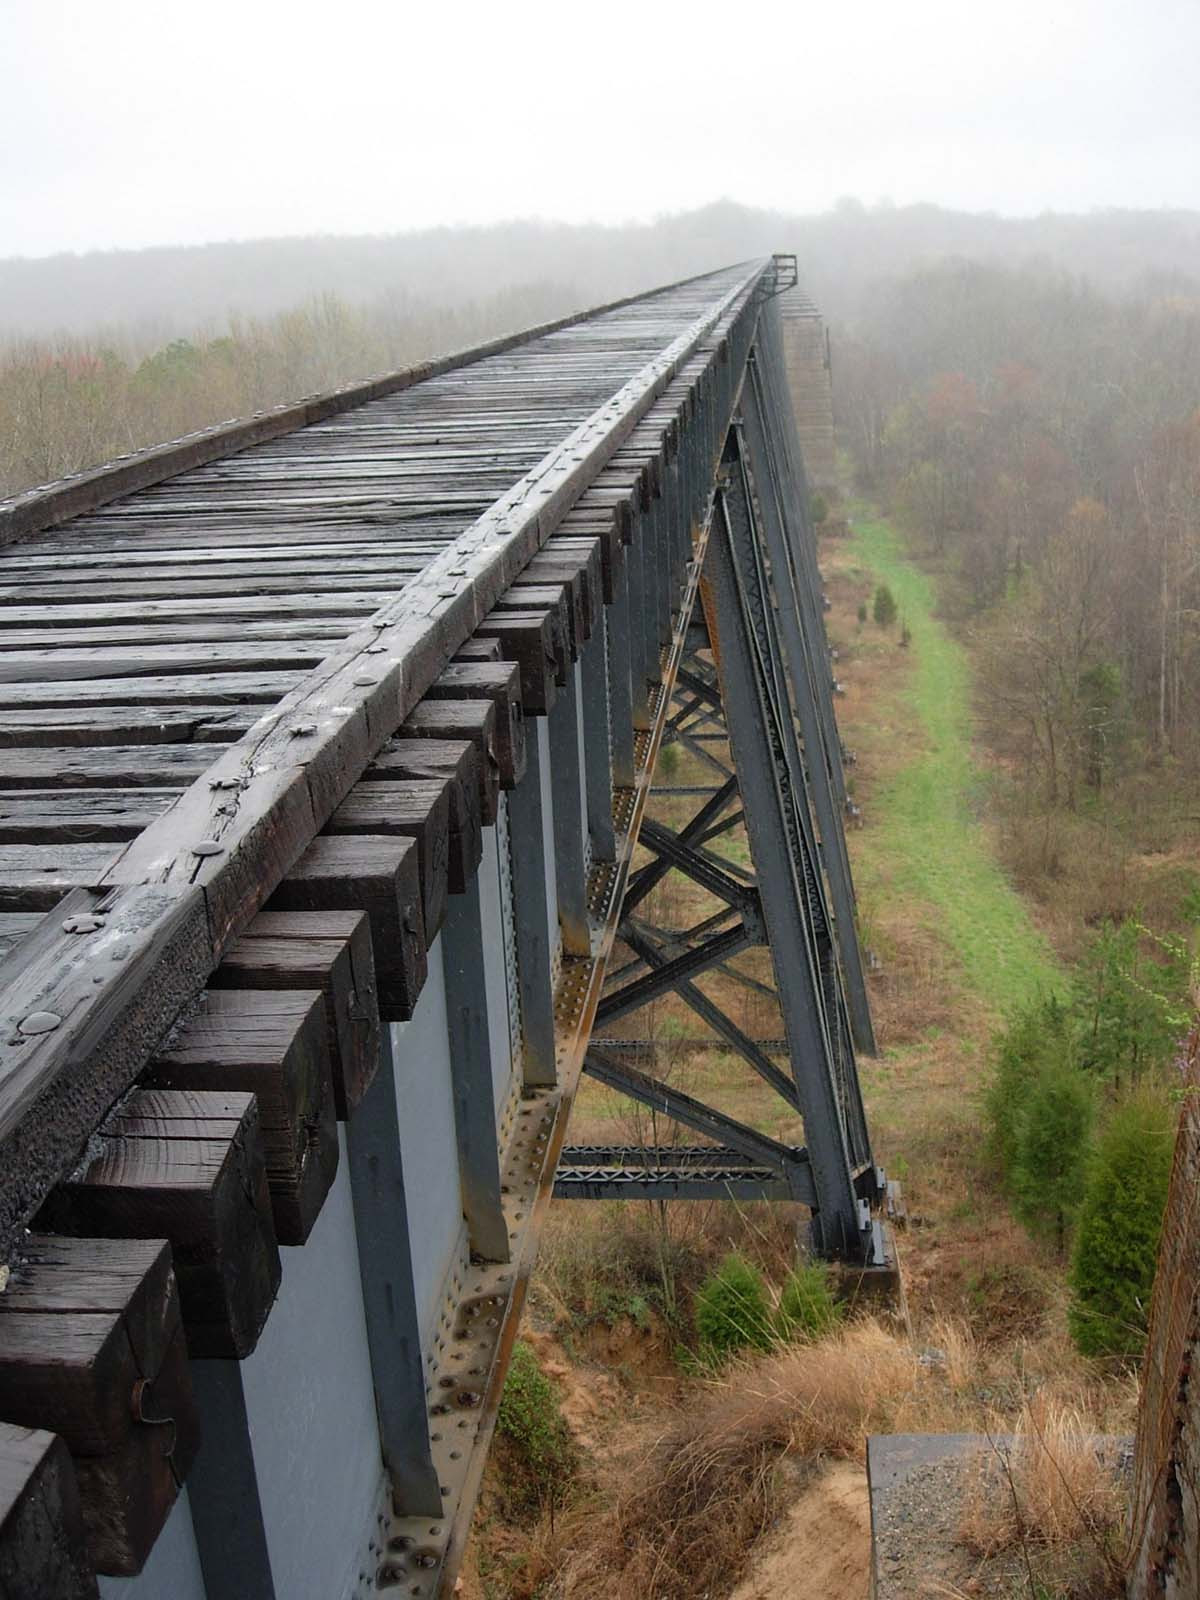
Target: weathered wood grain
150, 947
91, 1344
274, 1045
381, 877
189, 1167
328, 950
418, 810
499, 682
438, 500
458, 720
42, 1549
457, 763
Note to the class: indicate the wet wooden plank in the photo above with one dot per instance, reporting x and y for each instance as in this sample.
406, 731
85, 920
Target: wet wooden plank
499, 682
272, 1044
42, 1549
84, 1324
150, 947
330, 951
379, 876
189, 1167
456, 721
417, 810
455, 762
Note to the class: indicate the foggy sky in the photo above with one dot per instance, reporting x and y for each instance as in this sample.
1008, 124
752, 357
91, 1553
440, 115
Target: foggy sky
137, 122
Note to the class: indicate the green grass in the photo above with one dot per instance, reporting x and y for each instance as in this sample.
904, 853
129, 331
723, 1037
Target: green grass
927, 840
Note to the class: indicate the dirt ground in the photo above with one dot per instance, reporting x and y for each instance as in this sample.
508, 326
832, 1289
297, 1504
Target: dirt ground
820, 1547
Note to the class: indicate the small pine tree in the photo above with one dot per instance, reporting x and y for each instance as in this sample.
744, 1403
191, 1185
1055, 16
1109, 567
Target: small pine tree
819, 507
807, 1309
1129, 1008
885, 606
1116, 1244
1053, 1129
732, 1311
862, 613
1038, 1037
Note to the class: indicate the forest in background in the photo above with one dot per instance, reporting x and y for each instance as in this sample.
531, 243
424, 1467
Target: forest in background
1040, 437
1036, 438
104, 353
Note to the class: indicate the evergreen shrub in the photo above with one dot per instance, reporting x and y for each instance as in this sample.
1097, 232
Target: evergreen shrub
732, 1310
807, 1309
1116, 1244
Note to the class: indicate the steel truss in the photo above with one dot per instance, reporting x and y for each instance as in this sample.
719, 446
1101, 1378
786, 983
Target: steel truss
752, 705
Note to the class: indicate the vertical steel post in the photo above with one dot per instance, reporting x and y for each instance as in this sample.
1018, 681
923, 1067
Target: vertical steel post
619, 651
566, 782
799, 529
805, 656
758, 742
389, 1300
469, 1030
593, 667
227, 1514
536, 921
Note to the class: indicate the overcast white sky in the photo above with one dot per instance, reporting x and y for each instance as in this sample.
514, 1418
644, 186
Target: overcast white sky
135, 122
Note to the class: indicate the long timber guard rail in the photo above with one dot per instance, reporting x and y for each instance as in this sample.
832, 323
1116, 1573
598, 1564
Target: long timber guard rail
327, 752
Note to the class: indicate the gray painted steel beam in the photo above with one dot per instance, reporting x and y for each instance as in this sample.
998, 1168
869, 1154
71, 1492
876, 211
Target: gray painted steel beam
799, 651
566, 784
598, 774
689, 965
227, 1513
385, 1267
758, 741
463, 959
534, 921
620, 692
701, 868
721, 1024
790, 1161
655, 871
668, 1184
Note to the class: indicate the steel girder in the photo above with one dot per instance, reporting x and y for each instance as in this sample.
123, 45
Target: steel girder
753, 703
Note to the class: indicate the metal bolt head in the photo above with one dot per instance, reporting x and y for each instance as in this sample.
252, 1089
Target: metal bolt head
83, 922
208, 847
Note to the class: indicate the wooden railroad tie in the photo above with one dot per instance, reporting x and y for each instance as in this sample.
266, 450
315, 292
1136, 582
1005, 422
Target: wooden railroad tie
92, 1349
188, 1166
326, 950
273, 1044
43, 1551
185, 754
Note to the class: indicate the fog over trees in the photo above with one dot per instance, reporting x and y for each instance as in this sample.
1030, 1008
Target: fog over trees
1039, 435
162, 293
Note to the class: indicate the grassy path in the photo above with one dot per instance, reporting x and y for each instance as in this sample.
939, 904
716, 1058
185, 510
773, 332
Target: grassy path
927, 841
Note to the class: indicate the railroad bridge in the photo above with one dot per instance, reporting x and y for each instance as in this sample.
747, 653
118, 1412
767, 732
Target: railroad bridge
327, 789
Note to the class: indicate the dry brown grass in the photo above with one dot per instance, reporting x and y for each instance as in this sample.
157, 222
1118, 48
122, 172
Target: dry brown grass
1055, 1495
686, 1511
605, 1260
678, 1514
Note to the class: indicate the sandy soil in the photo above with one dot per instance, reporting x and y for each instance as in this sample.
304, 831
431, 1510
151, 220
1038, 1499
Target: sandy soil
820, 1546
